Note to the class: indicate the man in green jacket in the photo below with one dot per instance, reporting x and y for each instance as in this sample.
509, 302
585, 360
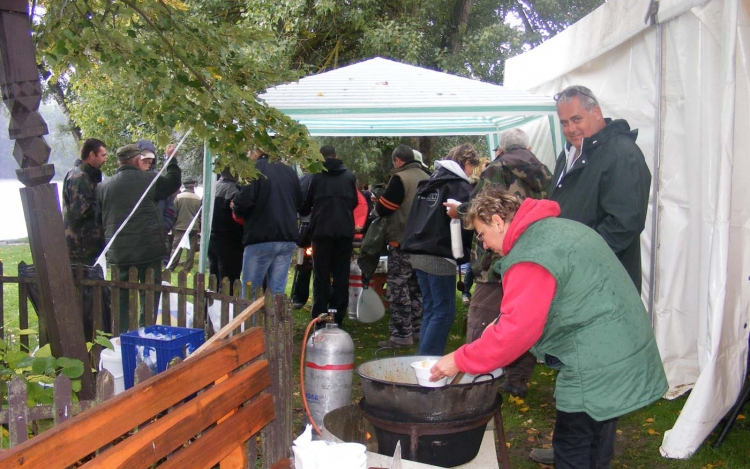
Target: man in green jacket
141, 241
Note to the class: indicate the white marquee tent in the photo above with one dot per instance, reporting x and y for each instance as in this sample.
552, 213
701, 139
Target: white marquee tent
380, 97
683, 82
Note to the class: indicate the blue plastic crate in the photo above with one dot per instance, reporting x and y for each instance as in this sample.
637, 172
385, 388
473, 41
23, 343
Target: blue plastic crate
180, 342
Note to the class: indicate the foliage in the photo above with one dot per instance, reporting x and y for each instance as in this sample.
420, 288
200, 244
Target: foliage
38, 371
152, 68
132, 69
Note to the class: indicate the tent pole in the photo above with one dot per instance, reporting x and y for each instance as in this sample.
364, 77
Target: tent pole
208, 202
659, 59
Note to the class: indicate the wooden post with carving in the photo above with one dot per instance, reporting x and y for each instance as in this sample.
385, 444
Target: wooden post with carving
22, 94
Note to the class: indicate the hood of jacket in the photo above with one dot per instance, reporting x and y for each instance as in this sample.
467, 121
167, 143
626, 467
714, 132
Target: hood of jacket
530, 211
441, 175
334, 166
527, 168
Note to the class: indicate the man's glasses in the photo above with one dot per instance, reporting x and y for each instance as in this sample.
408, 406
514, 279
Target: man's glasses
572, 92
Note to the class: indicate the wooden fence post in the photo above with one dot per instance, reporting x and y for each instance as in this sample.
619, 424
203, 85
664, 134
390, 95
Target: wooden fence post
63, 399
18, 424
166, 307
181, 300
199, 302
115, 277
277, 435
148, 308
133, 311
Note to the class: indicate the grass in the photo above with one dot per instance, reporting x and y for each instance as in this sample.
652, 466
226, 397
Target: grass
528, 422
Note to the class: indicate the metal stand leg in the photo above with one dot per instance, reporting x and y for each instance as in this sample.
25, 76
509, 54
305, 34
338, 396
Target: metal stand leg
744, 397
501, 446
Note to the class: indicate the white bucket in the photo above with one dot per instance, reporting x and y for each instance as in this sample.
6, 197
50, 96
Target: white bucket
111, 360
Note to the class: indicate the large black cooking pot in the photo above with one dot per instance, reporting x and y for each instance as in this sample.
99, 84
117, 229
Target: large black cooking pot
391, 391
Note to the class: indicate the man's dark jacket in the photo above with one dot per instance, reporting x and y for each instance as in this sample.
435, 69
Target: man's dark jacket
607, 189
269, 204
223, 226
83, 233
332, 198
142, 240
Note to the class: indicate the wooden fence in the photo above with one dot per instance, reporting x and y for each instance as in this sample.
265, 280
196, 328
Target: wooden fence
276, 319
200, 295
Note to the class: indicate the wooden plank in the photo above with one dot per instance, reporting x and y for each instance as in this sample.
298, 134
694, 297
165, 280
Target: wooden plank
23, 313
97, 311
133, 311
149, 300
224, 331
181, 300
2, 299
105, 422
105, 385
166, 318
225, 304
182, 423
62, 400
18, 423
285, 463
215, 445
77, 277
115, 300
199, 302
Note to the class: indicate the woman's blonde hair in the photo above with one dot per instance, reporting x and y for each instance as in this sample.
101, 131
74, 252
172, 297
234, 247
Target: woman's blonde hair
477, 174
463, 154
493, 199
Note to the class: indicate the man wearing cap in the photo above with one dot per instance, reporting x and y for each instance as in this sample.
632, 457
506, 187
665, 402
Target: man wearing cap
403, 294
134, 245
166, 206
187, 204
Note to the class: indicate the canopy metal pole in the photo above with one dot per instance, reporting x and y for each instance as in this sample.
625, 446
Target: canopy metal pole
659, 59
208, 203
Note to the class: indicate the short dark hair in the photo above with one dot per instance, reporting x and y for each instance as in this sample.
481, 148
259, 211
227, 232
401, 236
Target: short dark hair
403, 153
328, 151
91, 144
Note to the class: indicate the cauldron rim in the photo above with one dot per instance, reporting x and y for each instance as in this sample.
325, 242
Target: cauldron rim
417, 386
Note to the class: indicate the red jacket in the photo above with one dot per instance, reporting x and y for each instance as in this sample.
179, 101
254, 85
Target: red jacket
528, 289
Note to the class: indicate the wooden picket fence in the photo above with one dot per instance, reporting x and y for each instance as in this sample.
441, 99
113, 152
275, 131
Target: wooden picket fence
200, 294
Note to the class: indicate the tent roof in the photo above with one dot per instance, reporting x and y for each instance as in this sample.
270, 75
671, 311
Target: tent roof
383, 97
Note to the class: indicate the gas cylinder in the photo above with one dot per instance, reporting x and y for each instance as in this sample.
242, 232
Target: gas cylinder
329, 367
355, 287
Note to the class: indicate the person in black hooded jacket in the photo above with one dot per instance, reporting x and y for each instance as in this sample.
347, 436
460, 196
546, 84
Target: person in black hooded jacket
427, 240
331, 199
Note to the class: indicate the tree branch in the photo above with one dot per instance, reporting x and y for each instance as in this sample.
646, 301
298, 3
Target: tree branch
171, 48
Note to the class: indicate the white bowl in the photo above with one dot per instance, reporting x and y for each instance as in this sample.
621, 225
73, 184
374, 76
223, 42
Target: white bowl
422, 370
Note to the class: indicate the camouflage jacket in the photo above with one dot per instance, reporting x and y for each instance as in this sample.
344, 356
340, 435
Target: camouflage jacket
523, 175
84, 236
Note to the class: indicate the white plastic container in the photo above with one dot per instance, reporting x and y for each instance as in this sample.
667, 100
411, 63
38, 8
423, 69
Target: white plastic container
422, 370
457, 245
111, 360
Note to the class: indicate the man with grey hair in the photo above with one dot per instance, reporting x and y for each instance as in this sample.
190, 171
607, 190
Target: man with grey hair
601, 180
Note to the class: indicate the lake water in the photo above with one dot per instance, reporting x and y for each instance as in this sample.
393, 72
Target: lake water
12, 221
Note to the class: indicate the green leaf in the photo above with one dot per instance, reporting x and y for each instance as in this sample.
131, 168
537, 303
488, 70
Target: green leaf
27, 332
44, 351
104, 342
71, 367
43, 365
76, 385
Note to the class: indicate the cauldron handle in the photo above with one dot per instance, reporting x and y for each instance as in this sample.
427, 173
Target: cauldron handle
474, 381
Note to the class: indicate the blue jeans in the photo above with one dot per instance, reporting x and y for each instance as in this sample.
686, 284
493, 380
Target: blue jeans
270, 260
438, 313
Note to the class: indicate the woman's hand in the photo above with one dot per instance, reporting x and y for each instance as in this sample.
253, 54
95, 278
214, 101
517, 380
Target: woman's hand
446, 366
452, 208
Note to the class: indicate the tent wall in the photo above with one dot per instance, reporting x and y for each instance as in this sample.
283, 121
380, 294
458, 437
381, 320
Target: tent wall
692, 76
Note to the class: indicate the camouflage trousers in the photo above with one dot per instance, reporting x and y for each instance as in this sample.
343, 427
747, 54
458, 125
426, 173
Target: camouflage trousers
404, 296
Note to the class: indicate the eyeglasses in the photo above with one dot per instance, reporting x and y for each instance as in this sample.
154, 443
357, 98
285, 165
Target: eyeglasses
572, 92
480, 236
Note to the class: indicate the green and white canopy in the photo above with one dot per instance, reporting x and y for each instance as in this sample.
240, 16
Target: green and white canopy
380, 97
